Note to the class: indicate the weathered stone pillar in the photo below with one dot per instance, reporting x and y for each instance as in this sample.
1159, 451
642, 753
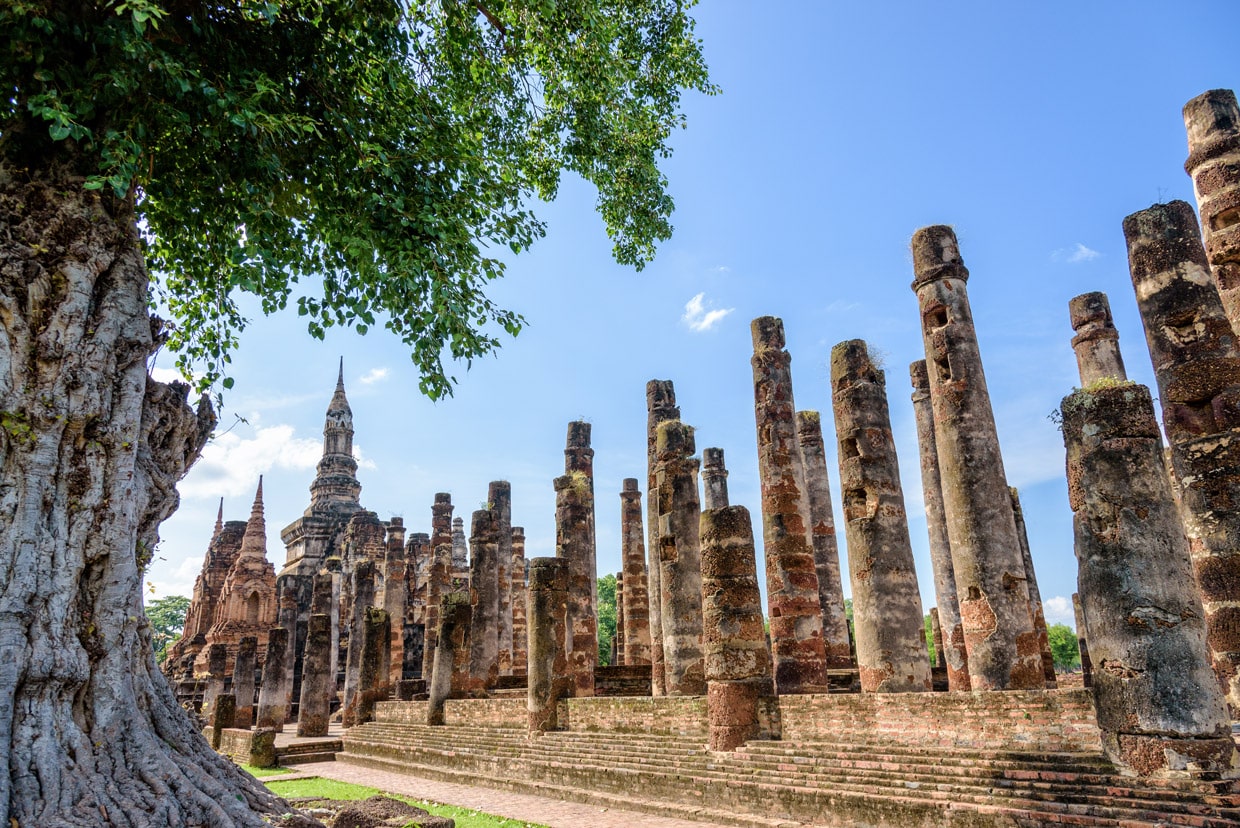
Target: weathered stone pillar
318, 685
1197, 366
547, 667
1036, 612
263, 748
574, 542
737, 662
680, 567
791, 578
519, 633
618, 641
217, 667
484, 596
395, 598
451, 655
1096, 343
822, 538
223, 715
714, 479
439, 580
417, 572
1159, 706
633, 558
660, 408
1213, 123
372, 682
990, 576
952, 653
363, 599
243, 681
287, 618
887, 616
499, 495
936, 636
1082, 643
272, 710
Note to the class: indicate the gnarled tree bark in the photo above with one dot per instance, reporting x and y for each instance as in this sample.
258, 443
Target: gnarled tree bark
90, 451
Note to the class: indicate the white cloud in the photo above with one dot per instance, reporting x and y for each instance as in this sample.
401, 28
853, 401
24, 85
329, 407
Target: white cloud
166, 375
1058, 610
231, 464
840, 306
373, 375
721, 269
363, 462
164, 580
699, 317
1075, 255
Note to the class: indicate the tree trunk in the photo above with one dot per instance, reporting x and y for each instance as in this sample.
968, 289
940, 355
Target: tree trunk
90, 451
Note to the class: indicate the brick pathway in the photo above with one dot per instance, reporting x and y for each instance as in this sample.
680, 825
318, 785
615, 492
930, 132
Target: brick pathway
554, 813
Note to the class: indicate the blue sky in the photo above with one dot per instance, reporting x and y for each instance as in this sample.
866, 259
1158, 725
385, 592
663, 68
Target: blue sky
1033, 129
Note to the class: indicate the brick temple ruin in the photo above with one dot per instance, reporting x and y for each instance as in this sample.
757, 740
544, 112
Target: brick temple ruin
449, 655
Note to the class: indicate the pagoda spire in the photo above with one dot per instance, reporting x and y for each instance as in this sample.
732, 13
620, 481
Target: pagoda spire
255, 539
219, 522
335, 487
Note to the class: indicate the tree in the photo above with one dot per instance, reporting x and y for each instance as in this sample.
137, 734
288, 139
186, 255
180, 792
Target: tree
606, 617
358, 159
167, 619
1064, 646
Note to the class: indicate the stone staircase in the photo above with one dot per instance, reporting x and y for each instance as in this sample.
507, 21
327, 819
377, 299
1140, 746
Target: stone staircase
768, 784
300, 753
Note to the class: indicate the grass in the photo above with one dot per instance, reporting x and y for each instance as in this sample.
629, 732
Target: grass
331, 789
259, 773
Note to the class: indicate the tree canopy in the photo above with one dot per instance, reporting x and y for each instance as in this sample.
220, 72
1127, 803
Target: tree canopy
1064, 646
167, 617
366, 161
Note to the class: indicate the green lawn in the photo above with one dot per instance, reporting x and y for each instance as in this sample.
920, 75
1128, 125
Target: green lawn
259, 773
331, 789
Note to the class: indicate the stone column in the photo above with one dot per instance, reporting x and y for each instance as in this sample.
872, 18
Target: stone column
318, 685
272, 709
680, 568
217, 667
372, 681
1159, 706
574, 513
484, 596
618, 641
1036, 612
1082, 643
660, 408
822, 538
737, 662
791, 578
936, 635
633, 558
363, 599
417, 572
990, 575
286, 617
519, 634
243, 681
548, 668
1096, 343
952, 653
395, 597
223, 715
451, 655
887, 616
714, 479
499, 495
1197, 366
439, 580
1213, 124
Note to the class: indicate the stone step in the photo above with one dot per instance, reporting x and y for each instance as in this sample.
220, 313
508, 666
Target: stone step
284, 759
674, 776
832, 808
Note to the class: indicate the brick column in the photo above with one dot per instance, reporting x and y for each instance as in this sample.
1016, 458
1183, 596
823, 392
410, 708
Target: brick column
990, 575
217, 667
363, 582
618, 641
1096, 343
439, 581
574, 498
680, 572
519, 632
887, 616
952, 654
822, 538
791, 578
1082, 643
1036, 612
372, 683
451, 668
318, 685
547, 666
484, 596
660, 408
1197, 366
1212, 121
499, 495
633, 557
243, 681
272, 710
1159, 706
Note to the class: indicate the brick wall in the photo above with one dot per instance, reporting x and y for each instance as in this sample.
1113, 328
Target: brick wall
480, 712
1050, 720
667, 715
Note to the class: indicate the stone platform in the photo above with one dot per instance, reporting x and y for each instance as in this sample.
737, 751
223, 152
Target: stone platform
932, 759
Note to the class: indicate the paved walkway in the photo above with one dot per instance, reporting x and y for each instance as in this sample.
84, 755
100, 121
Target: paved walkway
555, 813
